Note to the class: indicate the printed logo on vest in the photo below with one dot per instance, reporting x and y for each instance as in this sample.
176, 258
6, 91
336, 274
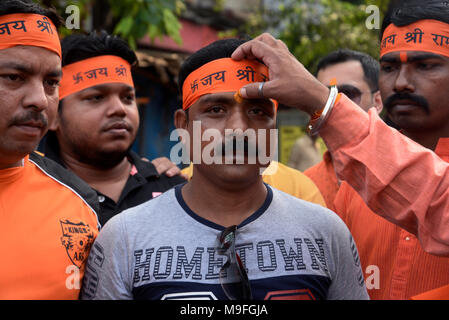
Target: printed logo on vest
77, 238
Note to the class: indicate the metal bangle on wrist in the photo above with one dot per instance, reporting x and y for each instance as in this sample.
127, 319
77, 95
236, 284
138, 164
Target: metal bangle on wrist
315, 125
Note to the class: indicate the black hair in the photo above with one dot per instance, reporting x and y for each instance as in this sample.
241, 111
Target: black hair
369, 64
79, 47
27, 6
214, 51
404, 12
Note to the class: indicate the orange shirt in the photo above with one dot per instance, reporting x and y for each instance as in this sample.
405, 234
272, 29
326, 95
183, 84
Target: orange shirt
46, 230
323, 174
398, 178
395, 265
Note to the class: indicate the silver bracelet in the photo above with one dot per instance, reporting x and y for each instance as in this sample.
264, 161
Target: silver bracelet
313, 128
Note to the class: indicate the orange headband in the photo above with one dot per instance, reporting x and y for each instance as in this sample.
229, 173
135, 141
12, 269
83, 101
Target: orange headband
94, 71
424, 35
221, 75
26, 29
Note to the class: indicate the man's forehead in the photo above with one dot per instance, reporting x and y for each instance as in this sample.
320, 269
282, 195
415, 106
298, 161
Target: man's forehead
30, 59
227, 97
410, 56
347, 72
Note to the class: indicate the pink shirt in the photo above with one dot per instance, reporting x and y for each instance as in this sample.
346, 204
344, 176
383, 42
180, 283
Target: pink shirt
399, 179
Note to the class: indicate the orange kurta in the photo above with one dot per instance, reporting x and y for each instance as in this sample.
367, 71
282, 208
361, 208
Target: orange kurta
46, 230
398, 178
404, 268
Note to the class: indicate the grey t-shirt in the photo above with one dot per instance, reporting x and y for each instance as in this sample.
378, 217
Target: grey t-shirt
291, 249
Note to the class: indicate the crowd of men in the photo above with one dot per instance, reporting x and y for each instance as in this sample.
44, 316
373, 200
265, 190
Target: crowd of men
89, 218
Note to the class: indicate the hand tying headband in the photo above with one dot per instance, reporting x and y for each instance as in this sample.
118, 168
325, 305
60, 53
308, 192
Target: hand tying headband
27, 29
92, 72
222, 75
424, 35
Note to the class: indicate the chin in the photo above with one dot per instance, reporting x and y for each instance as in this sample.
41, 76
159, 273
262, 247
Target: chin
238, 174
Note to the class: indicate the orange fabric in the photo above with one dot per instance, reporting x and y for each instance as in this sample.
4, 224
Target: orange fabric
404, 268
436, 294
323, 175
398, 178
94, 71
423, 35
222, 75
45, 234
27, 29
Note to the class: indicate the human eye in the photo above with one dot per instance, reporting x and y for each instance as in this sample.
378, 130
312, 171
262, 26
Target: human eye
427, 65
129, 98
94, 97
12, 77
258, 111
387, 67
216, 109
53, 83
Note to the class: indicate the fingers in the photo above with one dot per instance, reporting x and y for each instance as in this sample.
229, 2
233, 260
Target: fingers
252, 91
260, 48
164, 165
173, 171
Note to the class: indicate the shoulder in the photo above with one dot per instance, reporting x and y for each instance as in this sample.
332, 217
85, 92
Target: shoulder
66, 178
305, 213
277, 171
293, 182
149, 211
148, 170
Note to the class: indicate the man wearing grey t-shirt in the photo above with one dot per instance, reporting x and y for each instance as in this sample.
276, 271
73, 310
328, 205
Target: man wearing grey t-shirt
224, 234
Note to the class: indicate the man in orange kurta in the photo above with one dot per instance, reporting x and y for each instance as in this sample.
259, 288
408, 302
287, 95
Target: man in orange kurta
413, 82
397, 177
395, 265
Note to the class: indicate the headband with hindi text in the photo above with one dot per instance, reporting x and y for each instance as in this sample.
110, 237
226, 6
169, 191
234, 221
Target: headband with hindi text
28, 29
92, 72
423, 35
222, 75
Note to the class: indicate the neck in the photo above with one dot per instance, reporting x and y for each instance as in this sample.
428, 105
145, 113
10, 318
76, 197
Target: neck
17, 164
224, 204
426, 139
110, 181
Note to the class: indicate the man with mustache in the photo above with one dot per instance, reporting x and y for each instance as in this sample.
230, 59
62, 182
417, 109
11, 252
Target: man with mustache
97, 124
225, 234
396, 265
399, 179
47, 214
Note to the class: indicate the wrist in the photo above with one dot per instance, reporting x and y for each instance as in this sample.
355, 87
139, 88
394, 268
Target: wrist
319, 102
318, 118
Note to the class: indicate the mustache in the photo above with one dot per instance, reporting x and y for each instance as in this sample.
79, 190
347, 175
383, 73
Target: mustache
418, 100
237, 146
32, 115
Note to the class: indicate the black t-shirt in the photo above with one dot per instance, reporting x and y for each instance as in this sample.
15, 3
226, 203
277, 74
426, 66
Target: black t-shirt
143, 184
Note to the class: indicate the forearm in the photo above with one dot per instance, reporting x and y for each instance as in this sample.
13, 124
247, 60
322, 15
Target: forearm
398, 179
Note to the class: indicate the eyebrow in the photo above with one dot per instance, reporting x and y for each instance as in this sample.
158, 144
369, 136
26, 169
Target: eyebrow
414, 58
222, 99
28, 70
216, 99
105, 86
17, 66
